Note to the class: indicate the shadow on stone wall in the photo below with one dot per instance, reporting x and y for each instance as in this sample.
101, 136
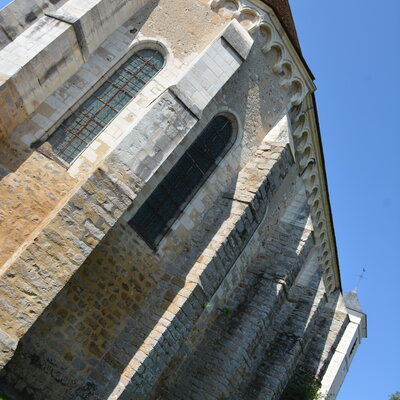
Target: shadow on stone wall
317, 355
256, 318
85, 340
110, 330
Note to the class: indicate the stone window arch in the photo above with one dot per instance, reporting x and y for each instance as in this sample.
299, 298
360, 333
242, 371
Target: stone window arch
161, 209
77, 131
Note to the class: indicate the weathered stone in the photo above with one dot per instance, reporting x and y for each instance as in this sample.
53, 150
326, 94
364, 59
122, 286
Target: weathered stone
232, 302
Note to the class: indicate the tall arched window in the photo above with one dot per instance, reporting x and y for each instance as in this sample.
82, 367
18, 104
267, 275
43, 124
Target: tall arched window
170, 197
84, 125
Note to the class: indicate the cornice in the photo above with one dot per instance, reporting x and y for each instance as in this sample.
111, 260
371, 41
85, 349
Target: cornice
309, 155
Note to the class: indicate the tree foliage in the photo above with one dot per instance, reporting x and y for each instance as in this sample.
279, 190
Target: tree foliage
395, 396
302, 387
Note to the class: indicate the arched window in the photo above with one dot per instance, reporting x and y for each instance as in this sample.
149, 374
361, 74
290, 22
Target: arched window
168, 200
84, 125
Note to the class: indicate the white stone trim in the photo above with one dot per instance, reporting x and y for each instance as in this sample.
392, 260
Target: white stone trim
66, 38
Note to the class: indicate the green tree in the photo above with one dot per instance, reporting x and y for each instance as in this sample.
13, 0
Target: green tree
395, 396
302, 387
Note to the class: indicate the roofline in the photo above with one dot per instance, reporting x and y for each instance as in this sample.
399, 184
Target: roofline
314, 101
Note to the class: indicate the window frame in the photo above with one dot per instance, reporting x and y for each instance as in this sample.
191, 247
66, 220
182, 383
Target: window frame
228, 148
43, 146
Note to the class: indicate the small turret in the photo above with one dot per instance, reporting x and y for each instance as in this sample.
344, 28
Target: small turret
347, 348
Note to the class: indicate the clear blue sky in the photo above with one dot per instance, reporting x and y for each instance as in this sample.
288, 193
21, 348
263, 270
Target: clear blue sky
353, 49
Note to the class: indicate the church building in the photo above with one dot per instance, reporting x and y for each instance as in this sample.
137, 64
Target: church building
165, 225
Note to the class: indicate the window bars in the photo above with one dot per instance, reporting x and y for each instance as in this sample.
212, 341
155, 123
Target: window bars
77, 131
170, 197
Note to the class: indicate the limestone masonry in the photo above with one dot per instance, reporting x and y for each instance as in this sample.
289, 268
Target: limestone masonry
165, 226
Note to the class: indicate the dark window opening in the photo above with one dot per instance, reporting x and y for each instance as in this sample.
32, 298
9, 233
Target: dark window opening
170, 197
353, 347
77, 131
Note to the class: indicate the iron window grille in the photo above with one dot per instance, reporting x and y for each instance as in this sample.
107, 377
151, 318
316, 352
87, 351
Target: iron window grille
79, 130
168, 200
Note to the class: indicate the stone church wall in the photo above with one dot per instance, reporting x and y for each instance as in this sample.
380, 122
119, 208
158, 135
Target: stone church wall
102, 337
243, 291
45, 215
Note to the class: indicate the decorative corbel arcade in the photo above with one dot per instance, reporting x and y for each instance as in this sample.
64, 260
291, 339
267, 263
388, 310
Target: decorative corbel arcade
296, 77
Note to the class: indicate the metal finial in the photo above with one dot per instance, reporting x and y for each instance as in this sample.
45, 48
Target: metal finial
360, 277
